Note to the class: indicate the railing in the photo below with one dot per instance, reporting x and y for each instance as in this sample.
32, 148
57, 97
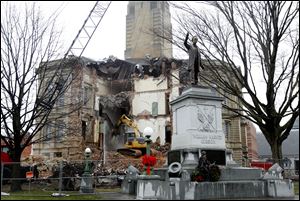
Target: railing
66, 177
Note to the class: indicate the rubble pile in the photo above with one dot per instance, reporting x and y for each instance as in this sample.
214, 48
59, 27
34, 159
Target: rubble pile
114, 165
43, 166
162, 149
117, 163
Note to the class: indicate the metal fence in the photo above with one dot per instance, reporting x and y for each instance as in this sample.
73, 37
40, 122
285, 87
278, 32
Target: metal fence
66, 177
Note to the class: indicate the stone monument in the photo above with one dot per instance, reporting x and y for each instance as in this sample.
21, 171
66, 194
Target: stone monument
197, 126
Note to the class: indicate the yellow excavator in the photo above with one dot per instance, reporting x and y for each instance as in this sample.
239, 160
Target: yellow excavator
135, 144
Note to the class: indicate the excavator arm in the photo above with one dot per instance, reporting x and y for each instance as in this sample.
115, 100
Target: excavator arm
134, 146
130, 123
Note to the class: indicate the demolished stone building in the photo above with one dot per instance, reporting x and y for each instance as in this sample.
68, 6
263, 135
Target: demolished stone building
109, 89
138, 88
141, 87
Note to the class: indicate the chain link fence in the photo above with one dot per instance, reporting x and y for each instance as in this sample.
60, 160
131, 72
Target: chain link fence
66, 176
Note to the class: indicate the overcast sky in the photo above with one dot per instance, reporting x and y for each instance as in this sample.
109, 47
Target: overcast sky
109, 38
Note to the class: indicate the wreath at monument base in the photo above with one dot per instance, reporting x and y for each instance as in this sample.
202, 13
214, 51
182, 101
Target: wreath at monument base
200, 175
197, 175
214, 173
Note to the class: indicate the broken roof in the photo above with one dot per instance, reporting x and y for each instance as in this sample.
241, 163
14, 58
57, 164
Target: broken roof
115, 69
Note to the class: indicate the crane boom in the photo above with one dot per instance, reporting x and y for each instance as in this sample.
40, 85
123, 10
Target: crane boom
88, 28
78, 46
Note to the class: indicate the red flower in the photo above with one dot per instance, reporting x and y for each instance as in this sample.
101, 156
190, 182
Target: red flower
148, 160
199, 178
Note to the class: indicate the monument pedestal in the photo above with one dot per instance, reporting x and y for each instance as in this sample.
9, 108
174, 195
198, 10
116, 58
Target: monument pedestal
197, 126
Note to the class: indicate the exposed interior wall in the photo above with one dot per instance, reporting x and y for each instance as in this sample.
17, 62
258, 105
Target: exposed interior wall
150, 84
149, 97
150, 105
157, 124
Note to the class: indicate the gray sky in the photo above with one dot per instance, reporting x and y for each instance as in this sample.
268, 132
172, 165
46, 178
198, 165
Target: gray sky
109, 38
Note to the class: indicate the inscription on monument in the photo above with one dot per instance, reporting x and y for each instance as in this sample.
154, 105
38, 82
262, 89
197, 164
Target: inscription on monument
207, 139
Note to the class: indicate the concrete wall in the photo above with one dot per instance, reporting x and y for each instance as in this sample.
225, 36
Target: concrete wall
186, 190
175, 85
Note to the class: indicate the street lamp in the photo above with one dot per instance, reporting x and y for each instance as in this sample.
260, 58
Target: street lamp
86, 185
87, 154
148, 131
147, 159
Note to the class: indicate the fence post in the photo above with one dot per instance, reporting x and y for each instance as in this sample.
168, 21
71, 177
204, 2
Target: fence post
93, 175
30, 169
2, 167
60, 177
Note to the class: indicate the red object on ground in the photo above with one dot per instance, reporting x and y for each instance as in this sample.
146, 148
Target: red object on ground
148, 161
264, 165
5, 158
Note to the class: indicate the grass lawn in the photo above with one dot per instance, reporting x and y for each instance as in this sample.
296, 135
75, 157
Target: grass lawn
46, 195
42, 195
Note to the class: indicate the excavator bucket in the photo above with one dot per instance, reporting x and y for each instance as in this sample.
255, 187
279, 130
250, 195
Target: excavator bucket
130, 152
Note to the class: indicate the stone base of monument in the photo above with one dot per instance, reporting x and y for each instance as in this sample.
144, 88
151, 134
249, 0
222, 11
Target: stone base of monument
240, 174
86, 185
150, 187
176, 189
234, 182
130, 181
129, 186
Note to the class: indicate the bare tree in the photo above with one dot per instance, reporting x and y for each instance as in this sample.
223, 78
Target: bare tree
242, 42
31, 85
